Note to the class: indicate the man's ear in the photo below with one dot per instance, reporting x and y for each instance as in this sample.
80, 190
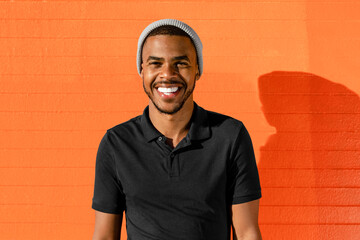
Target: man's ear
142, 71
197, 75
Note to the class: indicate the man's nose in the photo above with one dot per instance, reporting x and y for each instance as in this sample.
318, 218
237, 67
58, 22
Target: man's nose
168, 71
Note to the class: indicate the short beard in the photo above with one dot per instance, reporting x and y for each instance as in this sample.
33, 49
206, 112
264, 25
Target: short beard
178, 108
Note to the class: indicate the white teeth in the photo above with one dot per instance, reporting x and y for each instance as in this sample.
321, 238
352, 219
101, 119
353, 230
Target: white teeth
168, 90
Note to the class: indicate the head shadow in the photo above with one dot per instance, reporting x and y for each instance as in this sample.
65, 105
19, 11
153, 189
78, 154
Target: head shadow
307, 163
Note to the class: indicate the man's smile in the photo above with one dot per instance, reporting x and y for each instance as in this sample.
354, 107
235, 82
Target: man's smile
168, 92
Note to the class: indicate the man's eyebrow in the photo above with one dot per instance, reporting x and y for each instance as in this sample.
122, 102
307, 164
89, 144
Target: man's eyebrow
182, 58
154, 58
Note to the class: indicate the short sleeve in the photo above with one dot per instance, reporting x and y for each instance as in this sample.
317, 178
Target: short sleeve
108, 196
244, 183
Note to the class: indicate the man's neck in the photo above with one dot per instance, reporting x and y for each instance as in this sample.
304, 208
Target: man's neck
173, 126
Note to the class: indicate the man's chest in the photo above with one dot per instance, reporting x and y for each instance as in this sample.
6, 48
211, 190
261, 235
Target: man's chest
195, 172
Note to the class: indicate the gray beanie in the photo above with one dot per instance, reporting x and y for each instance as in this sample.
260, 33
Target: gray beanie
173, 22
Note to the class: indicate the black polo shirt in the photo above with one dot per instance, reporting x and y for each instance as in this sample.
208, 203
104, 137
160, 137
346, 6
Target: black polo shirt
184, 192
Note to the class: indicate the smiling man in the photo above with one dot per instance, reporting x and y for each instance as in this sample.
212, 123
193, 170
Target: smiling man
179, 172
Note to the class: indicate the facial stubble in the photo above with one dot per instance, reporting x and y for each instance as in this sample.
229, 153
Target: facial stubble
176, 109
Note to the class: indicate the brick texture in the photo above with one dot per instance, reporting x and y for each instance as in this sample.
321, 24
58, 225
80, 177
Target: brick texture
289, 69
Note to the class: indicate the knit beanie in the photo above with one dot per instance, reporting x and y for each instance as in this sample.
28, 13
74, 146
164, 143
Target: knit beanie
173, 22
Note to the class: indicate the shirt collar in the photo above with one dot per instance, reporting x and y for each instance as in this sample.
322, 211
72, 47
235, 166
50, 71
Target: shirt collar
199, 128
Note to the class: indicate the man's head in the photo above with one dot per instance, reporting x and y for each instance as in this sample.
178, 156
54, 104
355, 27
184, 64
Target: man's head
174, 27
169, 66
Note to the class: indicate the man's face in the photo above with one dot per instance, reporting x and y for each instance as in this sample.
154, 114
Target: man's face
169, 71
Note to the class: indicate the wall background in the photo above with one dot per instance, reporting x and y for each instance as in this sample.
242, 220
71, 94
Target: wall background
288, 69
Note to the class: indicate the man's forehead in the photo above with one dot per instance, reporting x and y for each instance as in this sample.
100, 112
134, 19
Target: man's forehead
168, 39
176, 58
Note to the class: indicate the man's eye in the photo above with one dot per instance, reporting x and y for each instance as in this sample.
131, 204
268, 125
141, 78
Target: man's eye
181, 64
154, 63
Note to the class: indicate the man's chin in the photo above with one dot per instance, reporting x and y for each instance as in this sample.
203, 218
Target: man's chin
170, 110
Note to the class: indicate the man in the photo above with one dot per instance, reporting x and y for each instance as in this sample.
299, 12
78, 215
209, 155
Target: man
178, 171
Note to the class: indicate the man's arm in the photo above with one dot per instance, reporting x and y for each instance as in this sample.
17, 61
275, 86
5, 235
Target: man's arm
245, 221
107, 226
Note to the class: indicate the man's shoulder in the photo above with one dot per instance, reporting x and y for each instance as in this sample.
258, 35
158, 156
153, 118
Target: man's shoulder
130, 126
223, 122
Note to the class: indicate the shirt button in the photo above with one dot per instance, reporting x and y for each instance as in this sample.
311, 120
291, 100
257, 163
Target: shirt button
172, 155
160, 138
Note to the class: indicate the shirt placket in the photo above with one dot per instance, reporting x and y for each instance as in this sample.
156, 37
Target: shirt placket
172, 155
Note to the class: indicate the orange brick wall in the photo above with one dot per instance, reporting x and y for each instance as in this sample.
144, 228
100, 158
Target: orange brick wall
289, 69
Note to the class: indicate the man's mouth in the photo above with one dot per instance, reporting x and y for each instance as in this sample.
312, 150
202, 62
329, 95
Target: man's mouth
168, 90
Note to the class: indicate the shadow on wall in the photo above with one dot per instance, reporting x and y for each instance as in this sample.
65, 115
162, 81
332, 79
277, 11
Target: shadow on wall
309, 168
